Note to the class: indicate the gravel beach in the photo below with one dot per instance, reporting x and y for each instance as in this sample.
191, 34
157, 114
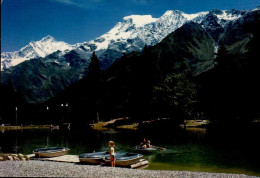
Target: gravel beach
58, 169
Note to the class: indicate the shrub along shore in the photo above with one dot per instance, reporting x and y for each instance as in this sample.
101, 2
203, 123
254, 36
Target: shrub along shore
20, 127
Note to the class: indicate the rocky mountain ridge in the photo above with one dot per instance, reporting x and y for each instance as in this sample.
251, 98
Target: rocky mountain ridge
129, 35
44, 77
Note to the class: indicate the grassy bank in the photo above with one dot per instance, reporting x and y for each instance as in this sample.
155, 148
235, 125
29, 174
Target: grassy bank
13, 127
119, 123
127, 123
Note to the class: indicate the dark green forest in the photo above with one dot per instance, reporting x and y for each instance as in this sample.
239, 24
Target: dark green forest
155, 83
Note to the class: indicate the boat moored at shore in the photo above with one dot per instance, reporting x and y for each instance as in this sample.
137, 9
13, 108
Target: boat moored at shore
96, 157
125, 159
93, 158
50, 152
149, 150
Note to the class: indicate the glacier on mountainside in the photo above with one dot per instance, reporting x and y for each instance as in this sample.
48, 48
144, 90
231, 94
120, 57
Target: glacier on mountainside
131, 34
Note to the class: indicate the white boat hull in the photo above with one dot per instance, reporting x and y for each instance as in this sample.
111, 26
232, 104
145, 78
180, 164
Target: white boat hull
91, 160
127, 162
51, 154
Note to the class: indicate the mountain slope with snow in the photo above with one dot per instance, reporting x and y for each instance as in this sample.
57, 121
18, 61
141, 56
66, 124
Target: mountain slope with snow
42, 48
136, 31
44, 77
129, 35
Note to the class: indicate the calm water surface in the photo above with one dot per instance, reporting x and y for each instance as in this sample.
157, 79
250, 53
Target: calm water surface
194, 149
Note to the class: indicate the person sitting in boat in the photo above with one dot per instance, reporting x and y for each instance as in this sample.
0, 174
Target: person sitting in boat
143, 144
111, 144
148, 145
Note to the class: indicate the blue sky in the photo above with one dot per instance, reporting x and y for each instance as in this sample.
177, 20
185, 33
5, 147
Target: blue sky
75, 21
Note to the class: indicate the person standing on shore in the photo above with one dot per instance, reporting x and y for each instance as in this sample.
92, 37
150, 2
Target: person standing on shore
111, 144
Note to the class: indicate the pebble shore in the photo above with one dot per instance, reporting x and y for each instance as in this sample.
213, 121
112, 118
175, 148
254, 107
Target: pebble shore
59, 169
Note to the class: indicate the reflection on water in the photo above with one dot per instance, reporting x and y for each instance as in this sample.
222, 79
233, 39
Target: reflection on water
194, 149
196, 130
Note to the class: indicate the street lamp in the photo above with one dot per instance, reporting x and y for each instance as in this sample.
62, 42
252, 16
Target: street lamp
16, 115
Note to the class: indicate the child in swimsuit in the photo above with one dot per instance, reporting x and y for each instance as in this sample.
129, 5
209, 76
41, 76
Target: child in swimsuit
111, 144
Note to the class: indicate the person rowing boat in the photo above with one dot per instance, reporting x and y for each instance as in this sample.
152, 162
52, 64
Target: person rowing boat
143, 143
146, 146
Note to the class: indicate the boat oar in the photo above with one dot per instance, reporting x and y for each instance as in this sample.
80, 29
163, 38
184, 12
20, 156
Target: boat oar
160, 148
132, 148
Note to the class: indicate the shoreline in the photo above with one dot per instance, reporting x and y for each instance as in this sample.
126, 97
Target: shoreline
113, 124
59, 169
23, 127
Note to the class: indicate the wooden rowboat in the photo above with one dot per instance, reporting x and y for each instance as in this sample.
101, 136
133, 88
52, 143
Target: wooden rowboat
149, 150
125, 159
93, 158
146, 149
50, 152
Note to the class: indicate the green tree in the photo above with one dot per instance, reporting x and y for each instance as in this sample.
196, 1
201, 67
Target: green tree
94, 69
95, 87
252, 72
253, 46
221, 56
176, 96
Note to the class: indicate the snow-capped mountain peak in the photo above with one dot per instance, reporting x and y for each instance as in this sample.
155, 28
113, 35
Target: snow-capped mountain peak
226, 16
193, 16
171, 12
137, 30
140, 20
47, 38
129, 35
34, 49
122, 31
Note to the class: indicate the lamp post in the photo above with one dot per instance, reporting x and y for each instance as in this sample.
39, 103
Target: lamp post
16, 115
64, 108
62, 113
16, 142
47, 115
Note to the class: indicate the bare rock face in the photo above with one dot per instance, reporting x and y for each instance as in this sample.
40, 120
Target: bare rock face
13, 157
16, 158
26, 157
5, 156
10, 158
20, 156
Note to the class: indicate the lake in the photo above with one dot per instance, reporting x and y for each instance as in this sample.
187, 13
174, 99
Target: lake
193, 149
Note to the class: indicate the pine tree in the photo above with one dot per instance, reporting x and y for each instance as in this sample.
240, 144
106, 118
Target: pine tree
94, 69
145, 49
95, 86
221, 57
252, 72
253, 45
